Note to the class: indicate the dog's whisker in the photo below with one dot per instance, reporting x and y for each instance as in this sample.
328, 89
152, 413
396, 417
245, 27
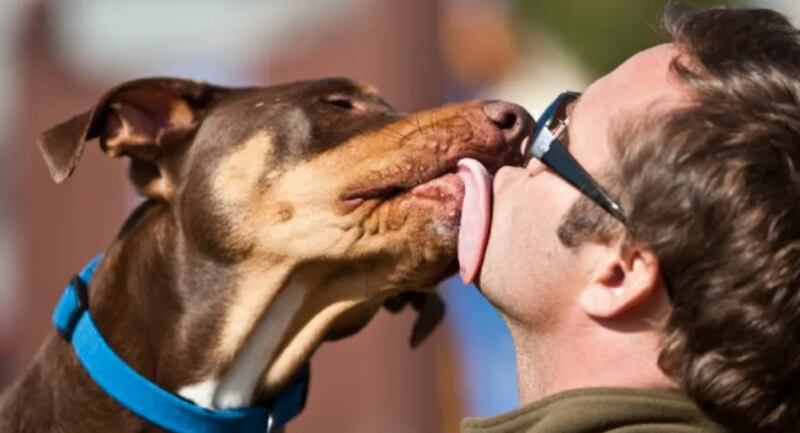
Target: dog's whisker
410, 123
432, 123
395, 133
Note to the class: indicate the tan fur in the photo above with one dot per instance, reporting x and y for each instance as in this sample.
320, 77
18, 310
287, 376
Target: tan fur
369, 89
160, 187
253, 294
126, 134
239, 172
180, 114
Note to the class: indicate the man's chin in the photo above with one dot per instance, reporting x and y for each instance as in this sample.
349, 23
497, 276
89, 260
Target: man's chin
492, 279
490, 293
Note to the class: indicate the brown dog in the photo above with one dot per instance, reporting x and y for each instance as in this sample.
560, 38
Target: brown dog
276, 218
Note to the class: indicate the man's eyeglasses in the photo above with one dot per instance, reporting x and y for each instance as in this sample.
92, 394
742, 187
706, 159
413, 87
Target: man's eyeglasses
548, 148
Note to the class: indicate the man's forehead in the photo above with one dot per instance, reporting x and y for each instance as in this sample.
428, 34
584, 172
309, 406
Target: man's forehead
638, 87
643, 80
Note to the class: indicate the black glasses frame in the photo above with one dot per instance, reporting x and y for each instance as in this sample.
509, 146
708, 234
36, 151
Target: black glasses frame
547, 148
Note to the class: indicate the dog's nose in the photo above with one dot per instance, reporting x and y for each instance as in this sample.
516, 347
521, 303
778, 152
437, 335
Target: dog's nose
512, 119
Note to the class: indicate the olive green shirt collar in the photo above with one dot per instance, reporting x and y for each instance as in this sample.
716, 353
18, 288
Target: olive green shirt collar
596, 410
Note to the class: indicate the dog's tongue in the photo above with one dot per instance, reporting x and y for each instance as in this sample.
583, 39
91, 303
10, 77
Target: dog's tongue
475, 217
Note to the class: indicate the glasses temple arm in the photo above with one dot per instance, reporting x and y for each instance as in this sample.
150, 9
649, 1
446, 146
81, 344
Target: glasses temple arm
556, 156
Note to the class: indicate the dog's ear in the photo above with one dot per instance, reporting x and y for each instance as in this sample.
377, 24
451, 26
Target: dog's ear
145, 119
430, 309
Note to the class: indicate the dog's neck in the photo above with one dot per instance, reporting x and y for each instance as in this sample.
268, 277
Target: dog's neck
162, 310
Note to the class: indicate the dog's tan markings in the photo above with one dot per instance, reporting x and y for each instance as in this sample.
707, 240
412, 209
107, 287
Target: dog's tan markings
304, 342
238, 173
250, 299
261, 323
180, 113
316, 228
368, 90
125, 134
338, 291
159, 187
239, 382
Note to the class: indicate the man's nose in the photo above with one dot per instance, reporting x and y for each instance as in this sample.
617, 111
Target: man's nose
511, 119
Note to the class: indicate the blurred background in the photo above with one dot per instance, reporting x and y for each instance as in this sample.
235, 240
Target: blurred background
57, 57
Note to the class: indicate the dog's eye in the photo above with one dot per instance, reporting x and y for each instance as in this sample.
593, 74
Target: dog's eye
339, 102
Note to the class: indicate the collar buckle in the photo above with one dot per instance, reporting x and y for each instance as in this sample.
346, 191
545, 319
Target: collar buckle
270, 422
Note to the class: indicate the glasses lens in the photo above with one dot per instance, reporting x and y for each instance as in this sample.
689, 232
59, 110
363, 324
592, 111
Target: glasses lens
551, 124
560, 117
548, 147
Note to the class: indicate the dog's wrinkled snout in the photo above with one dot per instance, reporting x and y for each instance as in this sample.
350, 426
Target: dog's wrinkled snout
513, 120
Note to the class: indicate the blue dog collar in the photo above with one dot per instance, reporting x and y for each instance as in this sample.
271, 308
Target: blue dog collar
146, 399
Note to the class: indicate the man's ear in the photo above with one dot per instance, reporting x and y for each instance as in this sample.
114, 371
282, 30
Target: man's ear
145, 119
625, 277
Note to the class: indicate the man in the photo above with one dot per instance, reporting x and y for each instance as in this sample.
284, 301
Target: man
665, 297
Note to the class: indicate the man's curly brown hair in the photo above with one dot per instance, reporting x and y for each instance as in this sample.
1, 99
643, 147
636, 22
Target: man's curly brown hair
714, 190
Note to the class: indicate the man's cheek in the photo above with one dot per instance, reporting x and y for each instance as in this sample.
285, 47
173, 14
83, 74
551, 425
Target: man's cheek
500, 247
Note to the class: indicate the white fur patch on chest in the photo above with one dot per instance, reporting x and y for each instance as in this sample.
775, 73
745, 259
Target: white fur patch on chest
235, 388
201, 393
